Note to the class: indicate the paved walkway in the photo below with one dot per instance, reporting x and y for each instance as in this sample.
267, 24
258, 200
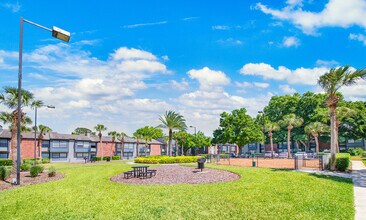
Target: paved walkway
359, 185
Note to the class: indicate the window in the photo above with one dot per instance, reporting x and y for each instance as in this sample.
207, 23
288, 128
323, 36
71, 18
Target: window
45, 144
351, 141
45, 155
3, 155
60, 143
82, 155
59, 155
127, 155
4, 143
118, 146
82, 144
129, 147
232, 149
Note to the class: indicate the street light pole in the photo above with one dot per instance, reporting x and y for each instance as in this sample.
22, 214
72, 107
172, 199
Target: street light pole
35, 131
262, 120
57, 33
195, 138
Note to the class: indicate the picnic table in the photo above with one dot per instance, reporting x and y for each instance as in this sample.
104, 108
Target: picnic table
137, 170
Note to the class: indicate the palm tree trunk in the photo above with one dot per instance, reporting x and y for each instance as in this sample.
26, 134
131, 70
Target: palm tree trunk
101, 150
122, 147
13, 142
270, 141
333, 136
288, 142
137, 147
40, 148
336, 134
170, 141
316, 143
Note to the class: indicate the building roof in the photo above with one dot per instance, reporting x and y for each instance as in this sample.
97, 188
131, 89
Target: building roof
81, 137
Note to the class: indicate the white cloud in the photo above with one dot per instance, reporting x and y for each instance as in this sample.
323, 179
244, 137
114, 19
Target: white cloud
208, 78
336, 13
291, 42
305, 76
287, 89
220, 27
165, 58
358, 37
145, 24
127, 54
261, 85
326, 63
230, 41
14, 7
180, 86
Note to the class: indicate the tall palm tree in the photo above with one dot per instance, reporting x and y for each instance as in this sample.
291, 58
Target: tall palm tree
172, 121
113, 134
42, 129
99, 128
315, 129
290, 121
331, 82
121, 136
138, 137
270, 127
9, 98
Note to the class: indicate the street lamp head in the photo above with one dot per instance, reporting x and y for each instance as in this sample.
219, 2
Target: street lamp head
50, 106
60, 34
260, 112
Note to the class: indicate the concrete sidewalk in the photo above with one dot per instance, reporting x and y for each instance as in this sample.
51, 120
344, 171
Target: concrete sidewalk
359, 185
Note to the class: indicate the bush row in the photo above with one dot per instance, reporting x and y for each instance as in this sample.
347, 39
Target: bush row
6, 162
166, 159
38, 160
4, 172
343, 161
355, 152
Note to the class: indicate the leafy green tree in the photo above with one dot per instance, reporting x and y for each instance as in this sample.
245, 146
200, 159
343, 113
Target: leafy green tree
148, 133
237, 127
81, 130
172, 121
290, 121
331, 82
9, 98
354, 127
270, 127
100, 128
315, 129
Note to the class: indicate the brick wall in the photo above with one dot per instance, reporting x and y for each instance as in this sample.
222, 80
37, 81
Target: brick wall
108, 148
27, 148
155, 149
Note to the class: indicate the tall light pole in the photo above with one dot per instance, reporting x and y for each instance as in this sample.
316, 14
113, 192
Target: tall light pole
57, 33
262, 120
195, 138
35, 130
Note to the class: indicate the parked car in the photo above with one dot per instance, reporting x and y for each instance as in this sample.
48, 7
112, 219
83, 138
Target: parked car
232, 155
270, 154
301, 155
283, 155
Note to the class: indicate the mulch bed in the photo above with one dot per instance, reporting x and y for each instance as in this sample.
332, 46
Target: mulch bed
26, 179
175, 174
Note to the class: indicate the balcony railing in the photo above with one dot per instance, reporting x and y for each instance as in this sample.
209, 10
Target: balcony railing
3, 149
59, 149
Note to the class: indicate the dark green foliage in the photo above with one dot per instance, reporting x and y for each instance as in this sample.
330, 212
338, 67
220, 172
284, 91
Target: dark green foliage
96, 158
116, 157
34, 171
166, 159
6, 162
51, 171
354, 152
31, 160
106, 157
343, 161
4, 172
45, 160
25, 167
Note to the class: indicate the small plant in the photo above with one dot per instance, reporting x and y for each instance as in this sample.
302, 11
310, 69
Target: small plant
35, 170
51, 172
25, 167
116, 157
4, 172
6, 162
45, 160
342, 161
106, 157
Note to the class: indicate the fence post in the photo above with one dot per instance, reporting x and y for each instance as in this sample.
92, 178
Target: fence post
295, 159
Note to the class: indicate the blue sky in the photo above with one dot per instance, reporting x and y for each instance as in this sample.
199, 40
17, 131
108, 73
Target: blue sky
130, 61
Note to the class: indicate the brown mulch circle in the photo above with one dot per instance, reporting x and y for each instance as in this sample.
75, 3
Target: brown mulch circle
26, 179
175, 174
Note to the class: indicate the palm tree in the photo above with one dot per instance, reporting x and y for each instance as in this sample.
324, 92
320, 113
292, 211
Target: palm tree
99, 128
42, 129
270, 127
9, 98
172, 121
121, 136
113, 134
290, 121
137, 136
341, 113
315, 129
331, 82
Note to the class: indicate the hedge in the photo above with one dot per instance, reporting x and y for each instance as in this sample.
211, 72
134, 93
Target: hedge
116, 157
343, 161
97, 158
166, 159
106, 157
31, 160
4, 172
6, 162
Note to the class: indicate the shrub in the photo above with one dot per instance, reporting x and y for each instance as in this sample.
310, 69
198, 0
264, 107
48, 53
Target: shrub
31, 161
25, 167
51, 172
106, 157
166, 159
4, 172
45, 160
116, 157
363, 154
342, 161
34, 171
6, 162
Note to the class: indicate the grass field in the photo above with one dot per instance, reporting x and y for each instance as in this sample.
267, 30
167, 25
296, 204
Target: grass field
359, 158
87, 193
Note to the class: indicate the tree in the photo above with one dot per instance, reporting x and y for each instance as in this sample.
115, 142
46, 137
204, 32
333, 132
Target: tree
99, 128
290, 121
148, 133
121, 136
181, 137
81, 130
172, 121
138, 137
331, 82
270, 127
315, 129
9, 98
42, 129
237, 127
113, 134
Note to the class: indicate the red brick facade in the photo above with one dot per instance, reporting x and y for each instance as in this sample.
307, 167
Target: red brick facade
27, 148
155, 149
108, 148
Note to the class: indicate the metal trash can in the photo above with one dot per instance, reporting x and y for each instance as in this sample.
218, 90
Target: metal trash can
108, 159
254, 164
201, 163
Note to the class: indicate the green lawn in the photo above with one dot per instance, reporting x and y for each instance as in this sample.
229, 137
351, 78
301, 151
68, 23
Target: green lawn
87, 193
